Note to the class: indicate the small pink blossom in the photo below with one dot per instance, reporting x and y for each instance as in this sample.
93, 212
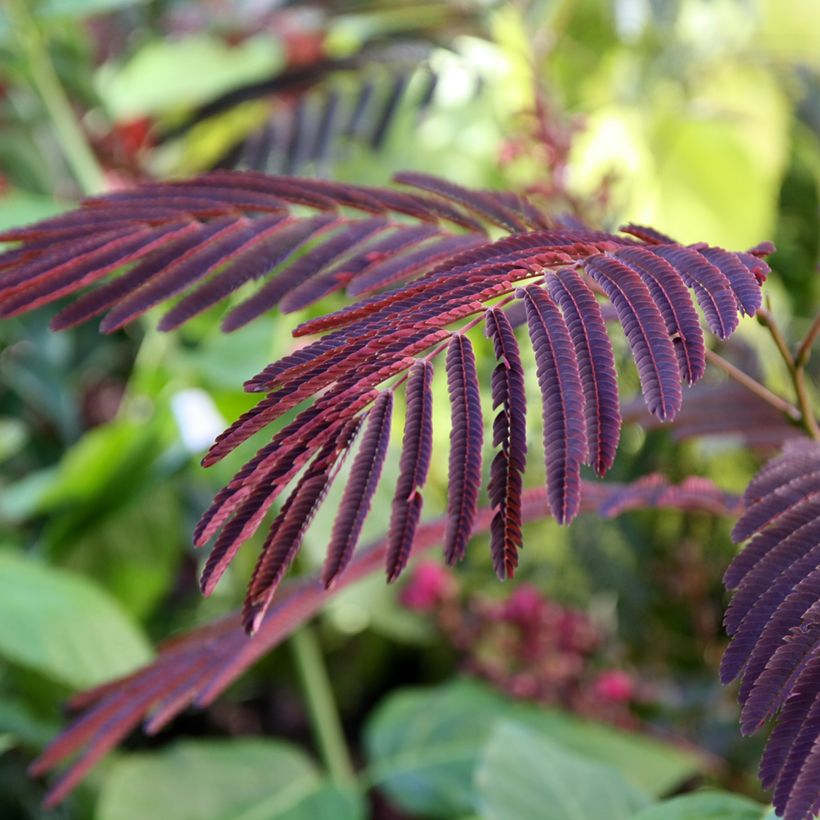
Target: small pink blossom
429, 584
615, 686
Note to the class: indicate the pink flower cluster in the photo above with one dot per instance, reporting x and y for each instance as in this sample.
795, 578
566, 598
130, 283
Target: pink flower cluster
527, 645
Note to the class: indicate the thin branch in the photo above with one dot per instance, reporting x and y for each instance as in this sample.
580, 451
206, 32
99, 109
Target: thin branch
801, 358
796, 365
754, 386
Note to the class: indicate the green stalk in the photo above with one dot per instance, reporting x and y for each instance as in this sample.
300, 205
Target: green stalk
324, 714
76, 150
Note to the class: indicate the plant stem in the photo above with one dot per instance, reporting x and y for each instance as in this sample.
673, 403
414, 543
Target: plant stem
796, 365
754, 386
324, 715
78, 154
801, 358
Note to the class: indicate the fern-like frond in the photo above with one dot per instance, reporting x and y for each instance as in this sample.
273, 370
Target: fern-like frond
774, 621
510, 435
466, 439
196, 667
417, 446
428, 271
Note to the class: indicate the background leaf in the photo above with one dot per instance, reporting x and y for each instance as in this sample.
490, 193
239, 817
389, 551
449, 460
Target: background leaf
523, 775
64, 626
706, 805
240, 779
426, 744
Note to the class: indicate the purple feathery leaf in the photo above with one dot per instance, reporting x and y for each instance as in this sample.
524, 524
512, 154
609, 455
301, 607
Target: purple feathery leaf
466, 439
226, 237
645, 331
712, 289
774, 621
268, 249
364, 476
417, 445
565, 440
596, 364
675, 304
510, 436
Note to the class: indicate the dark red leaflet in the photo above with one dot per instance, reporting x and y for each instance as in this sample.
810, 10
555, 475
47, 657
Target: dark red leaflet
524, 207
743, 281
269, 247
286, 533
792, 802
290, 189
645, 331
176, 244
775, 683
675, 304
480, 202
434, 311
466, 440
789, 615
777, 503
84, 223
364, 367
85, 270
297, 274
510, 435
411, 264
795, 460
531, 251
197, 193
596, 364
223, 239
58, 259
757, 599
425, 208
417, 445
759, 546
565, 442
712, 289
647, 234
364, 476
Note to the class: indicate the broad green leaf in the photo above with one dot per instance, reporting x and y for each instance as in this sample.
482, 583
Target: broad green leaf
165, 74
705, 805
64, 626
240, 779
423, 746
524, 775
648, 764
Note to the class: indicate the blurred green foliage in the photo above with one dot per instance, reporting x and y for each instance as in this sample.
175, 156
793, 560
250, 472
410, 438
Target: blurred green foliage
700, 118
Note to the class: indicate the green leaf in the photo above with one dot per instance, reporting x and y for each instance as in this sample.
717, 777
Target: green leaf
705, 805
165, 74
524, 775
423, 746
64, 626
648, 764
241, 779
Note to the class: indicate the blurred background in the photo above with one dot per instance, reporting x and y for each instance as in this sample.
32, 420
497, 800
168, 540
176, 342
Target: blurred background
698, 117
